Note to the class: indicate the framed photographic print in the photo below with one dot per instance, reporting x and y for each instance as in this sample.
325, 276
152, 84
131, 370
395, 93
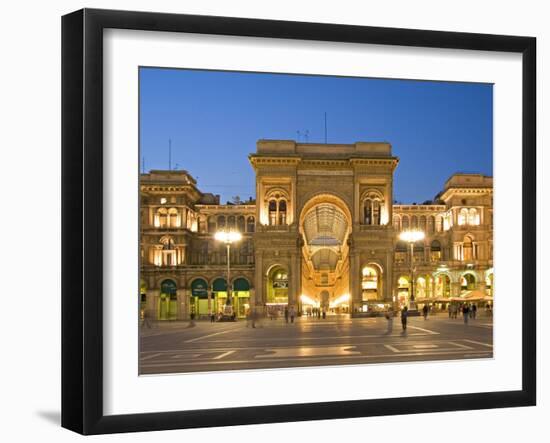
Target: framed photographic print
269, 221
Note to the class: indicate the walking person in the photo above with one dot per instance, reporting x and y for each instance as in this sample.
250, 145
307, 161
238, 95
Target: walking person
425, 311
404, 315
389, 318
286, 314
292, 314
474, 311
465, 312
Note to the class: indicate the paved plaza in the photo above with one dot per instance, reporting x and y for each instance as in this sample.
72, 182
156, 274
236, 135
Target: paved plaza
171, 347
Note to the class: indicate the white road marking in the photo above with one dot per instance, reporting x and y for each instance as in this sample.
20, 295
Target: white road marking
151, 356
328, 357
425, 346
209, 335
319, 351
225, 354
458, 345
391, 348
424, 330
479, 343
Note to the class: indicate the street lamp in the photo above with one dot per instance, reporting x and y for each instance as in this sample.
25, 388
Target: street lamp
411, 237
228, 237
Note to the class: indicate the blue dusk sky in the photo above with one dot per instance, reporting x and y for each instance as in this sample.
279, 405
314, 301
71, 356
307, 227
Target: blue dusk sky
214, 118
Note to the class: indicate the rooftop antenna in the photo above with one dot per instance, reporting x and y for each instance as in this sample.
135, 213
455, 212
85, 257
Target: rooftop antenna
325, 128
306, 135
298, 133
143, 165
169, 154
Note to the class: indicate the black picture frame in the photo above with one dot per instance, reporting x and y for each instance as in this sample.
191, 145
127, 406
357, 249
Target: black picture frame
82, 218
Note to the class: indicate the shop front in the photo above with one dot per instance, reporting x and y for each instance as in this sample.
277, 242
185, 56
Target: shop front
168, 301
198, 303
241, 296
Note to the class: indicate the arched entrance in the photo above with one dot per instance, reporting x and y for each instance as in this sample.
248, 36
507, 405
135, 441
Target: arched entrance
467, 282
371, 286
198, 303
219, 291
325, 225
168, 300
277, 290
241, 296
403, 291
442, 286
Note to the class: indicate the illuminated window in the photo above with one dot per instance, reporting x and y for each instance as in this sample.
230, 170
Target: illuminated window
282, 212
250, 224
473, 217
163, 200
272, 208
369, 284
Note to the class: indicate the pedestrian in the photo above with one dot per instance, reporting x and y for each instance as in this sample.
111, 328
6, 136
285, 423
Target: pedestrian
404, 315
474, 311
292, 314
324, 314
425, 311
389, 318
450, 310
465, 313
286, 314
212, 317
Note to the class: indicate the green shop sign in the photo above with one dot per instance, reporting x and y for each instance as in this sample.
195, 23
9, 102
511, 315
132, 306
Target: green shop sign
199, 288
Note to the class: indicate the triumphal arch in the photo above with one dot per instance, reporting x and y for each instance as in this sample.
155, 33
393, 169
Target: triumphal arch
324, 227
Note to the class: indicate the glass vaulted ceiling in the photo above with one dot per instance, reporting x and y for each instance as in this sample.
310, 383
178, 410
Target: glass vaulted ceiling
325, 230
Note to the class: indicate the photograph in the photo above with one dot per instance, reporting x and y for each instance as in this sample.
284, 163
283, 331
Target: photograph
290, 220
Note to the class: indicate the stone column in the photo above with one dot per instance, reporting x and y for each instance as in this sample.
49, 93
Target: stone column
259, 287
182, 313
455, 289
295, 284
151, 304
355, 290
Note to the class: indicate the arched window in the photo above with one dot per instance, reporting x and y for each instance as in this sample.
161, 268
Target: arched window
431, 224
272, 209
439, 223
423, 223
161, 218
405, 222
282, 212
473, 217
202, 225
250, 224
376, 212
397, 223
221, 222
368, 211
414, 222
174, 220
462, 217
231, 222
211, 224
240, 223
467, 248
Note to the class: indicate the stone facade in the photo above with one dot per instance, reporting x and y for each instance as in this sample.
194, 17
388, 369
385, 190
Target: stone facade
322, 233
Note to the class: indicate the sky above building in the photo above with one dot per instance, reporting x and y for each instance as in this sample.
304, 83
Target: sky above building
212, 119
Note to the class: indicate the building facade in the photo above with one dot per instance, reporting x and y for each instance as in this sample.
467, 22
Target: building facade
322, 233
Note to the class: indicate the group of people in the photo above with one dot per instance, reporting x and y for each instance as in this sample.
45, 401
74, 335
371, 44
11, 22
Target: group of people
316, 312
468, 310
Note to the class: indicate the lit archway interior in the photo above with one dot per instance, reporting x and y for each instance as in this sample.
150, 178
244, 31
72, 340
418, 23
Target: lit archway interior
325, 227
